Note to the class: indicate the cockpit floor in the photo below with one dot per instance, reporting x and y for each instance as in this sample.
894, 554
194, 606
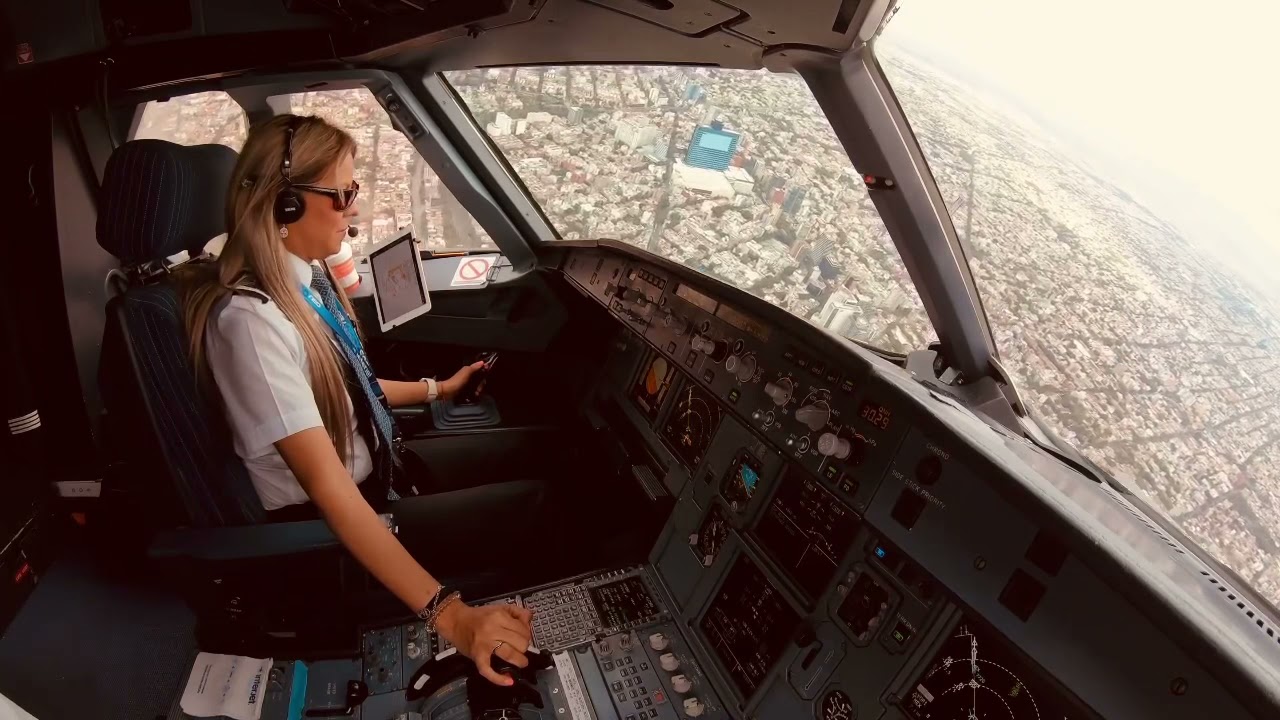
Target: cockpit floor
89, 643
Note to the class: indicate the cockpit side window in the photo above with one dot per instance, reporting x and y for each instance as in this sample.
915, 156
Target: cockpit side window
397, 186
195, 119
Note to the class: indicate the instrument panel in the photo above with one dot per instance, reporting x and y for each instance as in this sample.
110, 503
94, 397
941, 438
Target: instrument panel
872, 534
805, 550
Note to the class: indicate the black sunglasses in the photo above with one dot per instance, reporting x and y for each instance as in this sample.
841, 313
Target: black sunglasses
342, 199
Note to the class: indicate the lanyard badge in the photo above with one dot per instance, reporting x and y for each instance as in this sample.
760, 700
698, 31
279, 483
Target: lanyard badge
345, 332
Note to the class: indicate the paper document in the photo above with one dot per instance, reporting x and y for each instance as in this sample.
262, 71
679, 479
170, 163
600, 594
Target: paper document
227, 685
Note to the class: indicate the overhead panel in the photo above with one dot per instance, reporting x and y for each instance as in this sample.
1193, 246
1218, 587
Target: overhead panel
690, 17
820, 23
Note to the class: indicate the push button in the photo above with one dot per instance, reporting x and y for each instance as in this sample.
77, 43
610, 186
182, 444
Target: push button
848, 485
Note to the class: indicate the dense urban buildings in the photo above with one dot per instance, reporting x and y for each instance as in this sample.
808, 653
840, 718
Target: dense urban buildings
1126, 339
1123, 336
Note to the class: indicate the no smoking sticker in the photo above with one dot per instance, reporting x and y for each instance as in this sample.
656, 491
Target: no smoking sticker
473, 270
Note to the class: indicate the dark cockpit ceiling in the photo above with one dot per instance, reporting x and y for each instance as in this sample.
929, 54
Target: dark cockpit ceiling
148, 47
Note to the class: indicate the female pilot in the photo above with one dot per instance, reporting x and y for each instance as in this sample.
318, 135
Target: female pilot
310, 420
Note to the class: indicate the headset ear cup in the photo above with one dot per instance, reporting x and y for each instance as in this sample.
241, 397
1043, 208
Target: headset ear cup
289, 206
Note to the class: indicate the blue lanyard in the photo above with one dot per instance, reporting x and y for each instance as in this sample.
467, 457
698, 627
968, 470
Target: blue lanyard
346, 334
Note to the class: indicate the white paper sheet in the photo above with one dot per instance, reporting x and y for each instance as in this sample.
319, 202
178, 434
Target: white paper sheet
228, 685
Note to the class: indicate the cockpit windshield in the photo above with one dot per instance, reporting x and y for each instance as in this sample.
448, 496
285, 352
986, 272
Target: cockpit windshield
1118, 234
733, 173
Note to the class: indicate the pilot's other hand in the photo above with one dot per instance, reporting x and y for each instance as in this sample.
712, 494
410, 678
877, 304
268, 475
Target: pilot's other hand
451, 387
482, 632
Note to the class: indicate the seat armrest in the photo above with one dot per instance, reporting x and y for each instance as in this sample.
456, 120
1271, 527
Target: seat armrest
410, 411
248, 541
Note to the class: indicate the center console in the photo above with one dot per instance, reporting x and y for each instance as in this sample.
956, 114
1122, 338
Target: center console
610, 646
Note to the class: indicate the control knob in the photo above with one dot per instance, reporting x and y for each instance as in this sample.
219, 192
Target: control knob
780, 391
693, 707
681, 683
832, 445
659, 641
669, 662
411, 649
744, 368
717, 350
814, 416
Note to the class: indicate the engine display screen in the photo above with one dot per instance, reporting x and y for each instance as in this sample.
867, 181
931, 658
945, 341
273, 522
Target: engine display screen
807, 531
976, 674
748, 625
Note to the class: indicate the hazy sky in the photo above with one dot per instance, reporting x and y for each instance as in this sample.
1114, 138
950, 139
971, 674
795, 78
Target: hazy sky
1178, 102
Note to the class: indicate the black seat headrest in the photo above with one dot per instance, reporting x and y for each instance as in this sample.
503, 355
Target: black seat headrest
159, 198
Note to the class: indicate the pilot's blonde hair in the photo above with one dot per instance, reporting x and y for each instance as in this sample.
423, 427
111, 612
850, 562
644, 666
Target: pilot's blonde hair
254, 254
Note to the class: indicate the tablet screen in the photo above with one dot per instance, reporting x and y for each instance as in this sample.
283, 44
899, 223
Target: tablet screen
398, 280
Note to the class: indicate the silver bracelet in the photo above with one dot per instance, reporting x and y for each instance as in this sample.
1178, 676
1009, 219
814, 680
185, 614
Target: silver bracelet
430, 621
425, 612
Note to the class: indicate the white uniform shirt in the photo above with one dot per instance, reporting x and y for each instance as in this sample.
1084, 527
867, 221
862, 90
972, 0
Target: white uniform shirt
259, 364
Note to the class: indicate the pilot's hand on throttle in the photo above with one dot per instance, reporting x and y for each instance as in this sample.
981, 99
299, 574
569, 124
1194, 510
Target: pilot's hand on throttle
482, 632
451, 387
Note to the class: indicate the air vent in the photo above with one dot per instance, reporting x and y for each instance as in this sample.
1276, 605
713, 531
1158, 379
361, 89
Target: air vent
1248, 611
1155, 529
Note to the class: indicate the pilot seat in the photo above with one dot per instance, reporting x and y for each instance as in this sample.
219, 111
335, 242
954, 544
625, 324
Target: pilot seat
245, 579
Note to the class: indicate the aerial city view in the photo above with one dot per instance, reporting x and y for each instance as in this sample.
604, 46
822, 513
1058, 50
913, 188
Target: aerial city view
1129, 342
1123, 335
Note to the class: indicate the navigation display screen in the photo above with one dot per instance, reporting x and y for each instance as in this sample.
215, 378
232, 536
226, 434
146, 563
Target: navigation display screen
748, 625
807, 531
976, 674
692, 423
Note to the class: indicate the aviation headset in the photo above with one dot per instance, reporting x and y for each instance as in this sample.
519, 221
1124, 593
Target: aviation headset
289, 204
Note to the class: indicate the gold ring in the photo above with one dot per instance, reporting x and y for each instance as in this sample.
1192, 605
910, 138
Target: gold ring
499, 645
